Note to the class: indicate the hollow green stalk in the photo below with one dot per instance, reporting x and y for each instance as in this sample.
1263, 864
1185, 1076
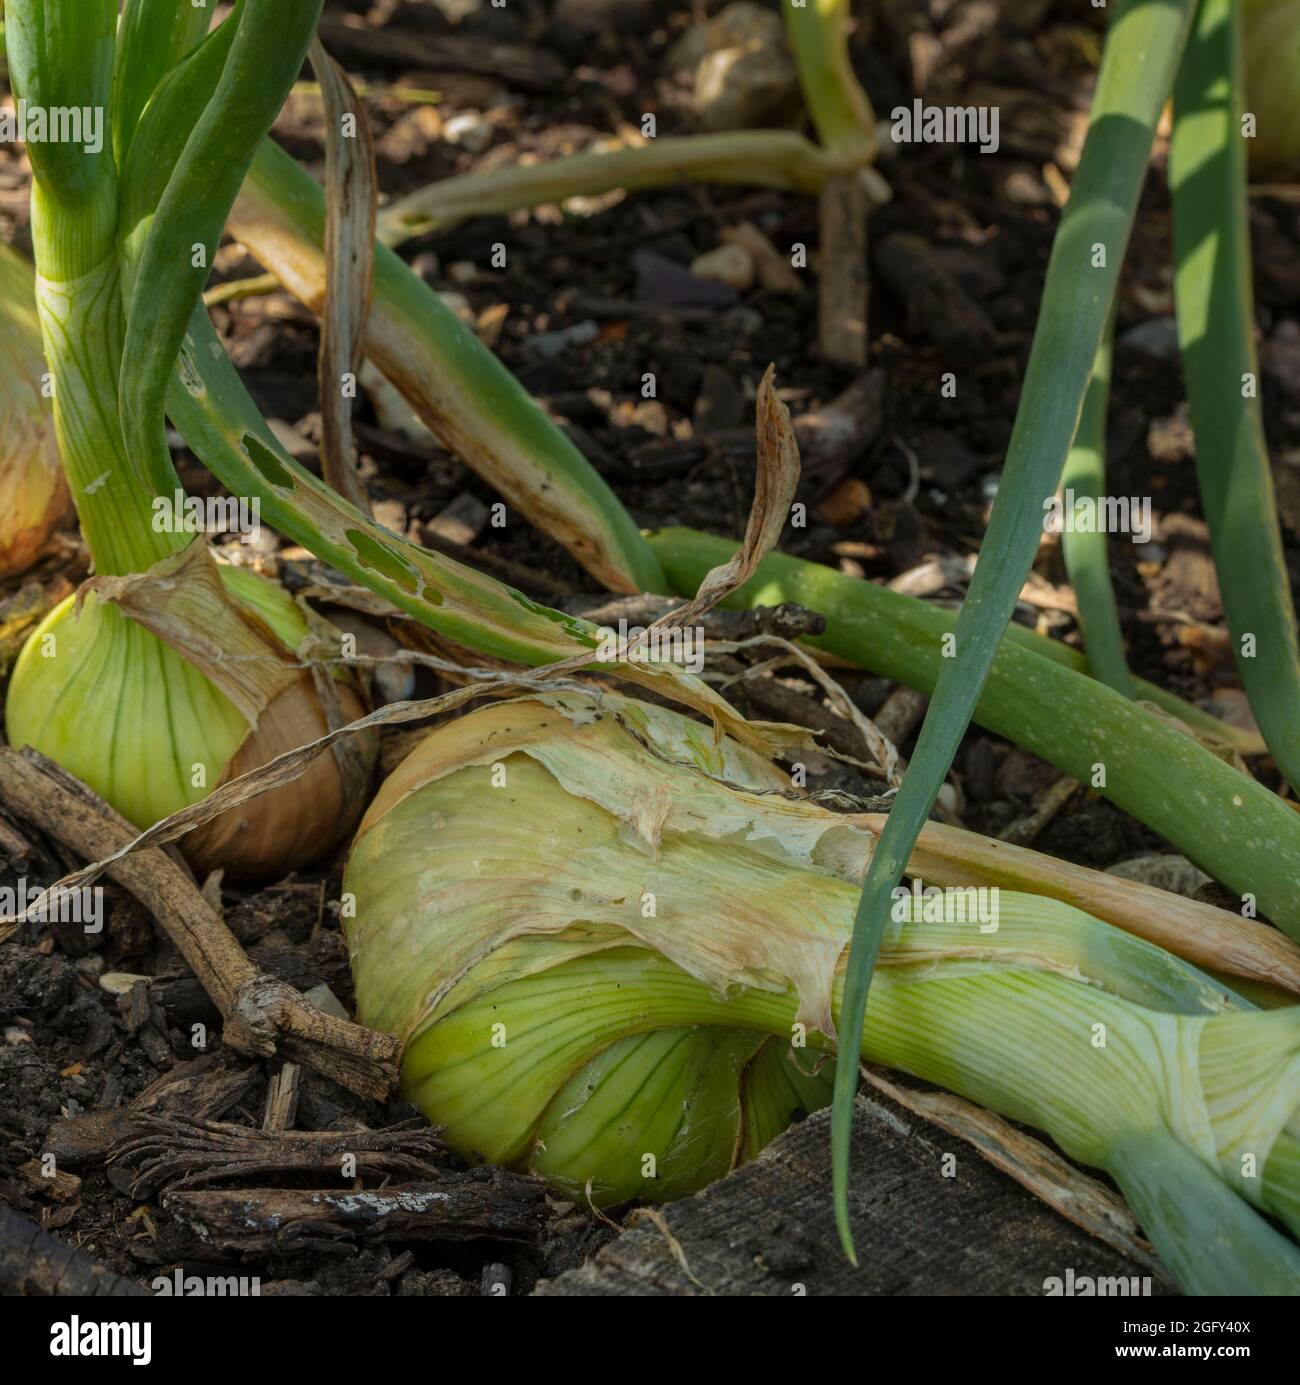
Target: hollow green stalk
469, 399
780, 159
839, 107
152, 38
264, 59
1216, 328
1085, 547
1232, 826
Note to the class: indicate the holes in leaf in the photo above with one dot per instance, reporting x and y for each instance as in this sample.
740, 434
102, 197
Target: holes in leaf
271, 467
383, 560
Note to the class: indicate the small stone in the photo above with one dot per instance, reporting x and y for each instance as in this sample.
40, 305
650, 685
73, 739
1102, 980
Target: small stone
462, 271
548, 344
775, 272
469, 130
728, 264
846, 504
1174, 873
325, 1001
744, 73
1170, 439
745, 322
119, 982
671, 285
425, 264
300, 448
459, 305
1158, 337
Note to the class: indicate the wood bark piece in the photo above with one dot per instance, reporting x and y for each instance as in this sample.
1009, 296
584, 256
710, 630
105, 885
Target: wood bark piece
768, 1228
204, 1089
261, 1014
482, 1204
282, 1100
32, 1262
58, 1186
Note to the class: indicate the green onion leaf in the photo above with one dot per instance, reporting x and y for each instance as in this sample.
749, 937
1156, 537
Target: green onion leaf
1137, 71
265, 59
1216, 327
153, 36
1085, 549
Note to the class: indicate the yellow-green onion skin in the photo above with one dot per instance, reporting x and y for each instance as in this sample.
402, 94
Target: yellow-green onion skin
111, 703
582, 933
1272, 61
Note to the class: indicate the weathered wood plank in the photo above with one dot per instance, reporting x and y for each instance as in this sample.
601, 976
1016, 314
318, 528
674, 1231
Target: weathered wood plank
768, 1228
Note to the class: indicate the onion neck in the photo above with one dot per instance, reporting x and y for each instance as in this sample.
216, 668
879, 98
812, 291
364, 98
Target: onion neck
79, 298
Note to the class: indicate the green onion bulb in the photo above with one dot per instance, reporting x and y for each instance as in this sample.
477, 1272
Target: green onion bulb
151, 734
583, 915
1272, 59
33, 494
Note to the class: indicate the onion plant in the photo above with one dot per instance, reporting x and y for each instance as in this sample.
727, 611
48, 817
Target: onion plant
124, 237
1141, 58
117, 226
1149, 763
584, 966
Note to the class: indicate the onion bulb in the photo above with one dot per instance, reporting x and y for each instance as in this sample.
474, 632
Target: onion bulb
1272, 60
152, 733
33, 494
582, 915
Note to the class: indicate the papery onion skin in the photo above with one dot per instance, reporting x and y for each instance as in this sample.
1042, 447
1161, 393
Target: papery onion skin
151, 734
34, 498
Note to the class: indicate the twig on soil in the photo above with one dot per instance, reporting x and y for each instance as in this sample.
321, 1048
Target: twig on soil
178, 1152
261, 1013
481, 1204
843, 284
